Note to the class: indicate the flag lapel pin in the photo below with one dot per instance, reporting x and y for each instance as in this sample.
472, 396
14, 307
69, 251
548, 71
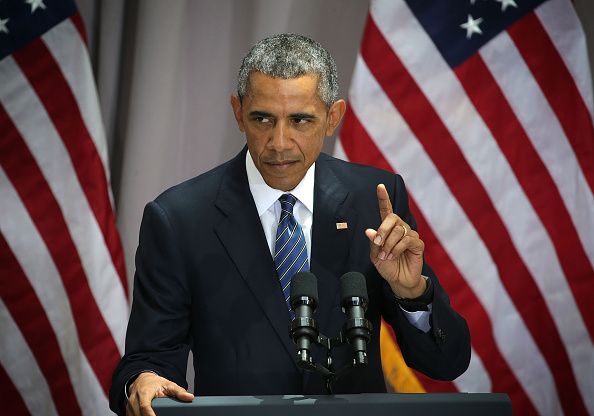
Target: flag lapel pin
341, 226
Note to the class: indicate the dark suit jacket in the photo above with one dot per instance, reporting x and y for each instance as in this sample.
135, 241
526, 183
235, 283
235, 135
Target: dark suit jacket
205, 280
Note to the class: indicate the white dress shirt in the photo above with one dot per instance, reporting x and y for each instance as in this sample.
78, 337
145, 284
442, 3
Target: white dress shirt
269, 209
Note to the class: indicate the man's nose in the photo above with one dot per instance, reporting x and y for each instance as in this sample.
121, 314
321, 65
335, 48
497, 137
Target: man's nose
280, 139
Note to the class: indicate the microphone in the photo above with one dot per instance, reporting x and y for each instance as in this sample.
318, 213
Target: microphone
303, 329
357, 329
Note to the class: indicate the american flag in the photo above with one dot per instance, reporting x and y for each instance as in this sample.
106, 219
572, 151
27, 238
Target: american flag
64, 306
485, 108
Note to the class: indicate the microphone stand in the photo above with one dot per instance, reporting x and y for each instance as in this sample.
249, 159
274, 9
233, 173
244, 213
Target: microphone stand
303, 329
363, 329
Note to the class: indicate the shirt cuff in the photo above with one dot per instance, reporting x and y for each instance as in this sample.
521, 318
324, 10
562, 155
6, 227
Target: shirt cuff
419, 319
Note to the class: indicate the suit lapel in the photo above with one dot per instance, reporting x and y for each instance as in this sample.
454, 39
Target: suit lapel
242, 235
330, 243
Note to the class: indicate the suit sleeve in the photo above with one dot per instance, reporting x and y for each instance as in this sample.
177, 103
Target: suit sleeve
443, 353
157, 337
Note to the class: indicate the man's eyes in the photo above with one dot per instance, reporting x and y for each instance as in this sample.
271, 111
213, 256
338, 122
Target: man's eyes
297, 121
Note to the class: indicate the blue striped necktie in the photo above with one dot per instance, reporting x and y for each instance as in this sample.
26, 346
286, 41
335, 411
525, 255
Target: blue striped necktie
290, 250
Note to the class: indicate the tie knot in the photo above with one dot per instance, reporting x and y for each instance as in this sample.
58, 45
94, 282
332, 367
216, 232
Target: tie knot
287, 202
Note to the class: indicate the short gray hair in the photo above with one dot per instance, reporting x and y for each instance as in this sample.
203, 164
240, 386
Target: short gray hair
288, 56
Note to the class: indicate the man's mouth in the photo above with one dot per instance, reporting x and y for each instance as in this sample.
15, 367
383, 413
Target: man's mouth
280, 162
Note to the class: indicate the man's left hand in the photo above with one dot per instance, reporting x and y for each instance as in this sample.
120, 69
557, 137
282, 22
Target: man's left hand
396, 250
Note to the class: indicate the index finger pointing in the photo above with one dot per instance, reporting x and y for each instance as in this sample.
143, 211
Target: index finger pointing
383, 200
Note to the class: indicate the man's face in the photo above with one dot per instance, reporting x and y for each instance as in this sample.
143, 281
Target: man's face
285, 123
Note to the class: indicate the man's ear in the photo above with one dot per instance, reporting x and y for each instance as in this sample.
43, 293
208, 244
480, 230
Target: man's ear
236, 106
335, 114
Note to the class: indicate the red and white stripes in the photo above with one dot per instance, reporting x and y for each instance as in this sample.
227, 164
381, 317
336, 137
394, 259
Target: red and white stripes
498, 156
64, 292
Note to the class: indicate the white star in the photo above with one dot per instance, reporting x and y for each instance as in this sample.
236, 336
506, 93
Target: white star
35, 4
472, 26
505, 3
3, 27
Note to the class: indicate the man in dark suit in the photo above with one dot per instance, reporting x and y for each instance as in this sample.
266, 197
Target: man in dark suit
208, 272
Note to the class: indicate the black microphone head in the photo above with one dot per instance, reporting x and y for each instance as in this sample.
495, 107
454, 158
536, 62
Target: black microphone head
304, 284
353, 284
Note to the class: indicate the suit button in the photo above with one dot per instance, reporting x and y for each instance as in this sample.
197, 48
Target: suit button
440, 334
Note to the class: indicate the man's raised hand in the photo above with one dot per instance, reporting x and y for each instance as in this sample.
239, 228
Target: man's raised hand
396, 250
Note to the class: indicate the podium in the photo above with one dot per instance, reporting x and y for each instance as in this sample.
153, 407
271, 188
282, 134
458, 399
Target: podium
374, 404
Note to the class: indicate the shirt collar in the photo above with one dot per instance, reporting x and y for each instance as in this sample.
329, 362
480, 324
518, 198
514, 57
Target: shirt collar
265, 196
